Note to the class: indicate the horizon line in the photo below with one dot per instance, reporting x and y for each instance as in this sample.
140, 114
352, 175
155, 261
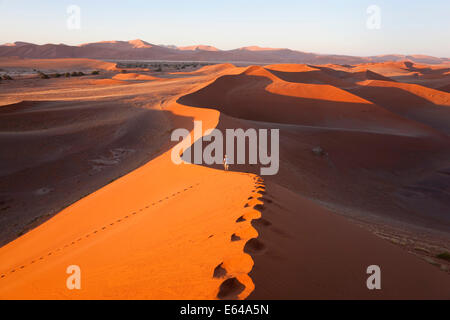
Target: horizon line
237, 48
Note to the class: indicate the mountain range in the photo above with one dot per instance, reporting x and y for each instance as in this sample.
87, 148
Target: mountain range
141, 50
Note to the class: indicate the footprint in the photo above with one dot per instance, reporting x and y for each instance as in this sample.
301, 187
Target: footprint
230, 289
219, 271
262, 222
254, 246
259, 207
235, 237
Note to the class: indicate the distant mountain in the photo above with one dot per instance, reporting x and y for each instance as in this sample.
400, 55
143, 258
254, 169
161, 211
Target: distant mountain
198, 48
141, 50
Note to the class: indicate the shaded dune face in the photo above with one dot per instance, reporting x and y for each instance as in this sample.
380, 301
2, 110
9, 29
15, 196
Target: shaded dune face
58, 152
375, 155
364, 175
415, 102
56, 65
323, 75
236, 235
258, 95
385, 169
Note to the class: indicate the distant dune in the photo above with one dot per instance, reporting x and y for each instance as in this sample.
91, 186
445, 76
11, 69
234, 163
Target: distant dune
139, 49
15, 64
87, 179
198, 48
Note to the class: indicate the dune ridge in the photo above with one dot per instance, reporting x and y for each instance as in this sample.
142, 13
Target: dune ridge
163, 231
141, 266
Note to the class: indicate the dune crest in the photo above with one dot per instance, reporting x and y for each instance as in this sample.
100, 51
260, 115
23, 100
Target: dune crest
363, 179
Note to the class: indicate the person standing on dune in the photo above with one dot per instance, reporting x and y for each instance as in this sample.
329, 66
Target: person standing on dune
225, 163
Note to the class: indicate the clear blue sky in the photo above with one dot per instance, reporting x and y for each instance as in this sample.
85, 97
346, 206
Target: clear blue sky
322, 26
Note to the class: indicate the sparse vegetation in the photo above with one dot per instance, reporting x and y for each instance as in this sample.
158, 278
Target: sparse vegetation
77, 74
444, 256
43, 75
159, 66
67, 74
6, 77
96, 72
123, 71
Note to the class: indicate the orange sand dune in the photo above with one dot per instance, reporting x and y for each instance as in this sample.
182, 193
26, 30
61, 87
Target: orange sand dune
107, 82
287, 67
164, 231
133, 76
159, 220
432, 76
56, 64
413, 101
217, 68
325, 257
173, 242
388, 69
257, 94
60, 151
431, 95
356, 175
333, 75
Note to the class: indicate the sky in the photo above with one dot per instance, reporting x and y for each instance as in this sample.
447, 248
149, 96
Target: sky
351, 27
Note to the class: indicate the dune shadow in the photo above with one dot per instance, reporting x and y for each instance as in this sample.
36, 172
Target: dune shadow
408, 105
246, 97
357, 161
58, 152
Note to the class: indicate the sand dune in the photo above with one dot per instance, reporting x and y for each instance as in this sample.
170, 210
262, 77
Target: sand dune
309, 241
66, 150
149, 229
139, 49
133, 76
426, 105
55, 64
257, 94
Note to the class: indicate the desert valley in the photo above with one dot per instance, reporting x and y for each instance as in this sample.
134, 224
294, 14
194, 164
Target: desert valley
87, 177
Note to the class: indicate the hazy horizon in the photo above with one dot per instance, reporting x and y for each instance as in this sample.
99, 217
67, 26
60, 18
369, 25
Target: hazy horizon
328, 27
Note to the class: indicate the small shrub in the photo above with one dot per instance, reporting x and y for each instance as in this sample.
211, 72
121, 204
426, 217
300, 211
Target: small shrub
96, 72
67, 74
444, 256
6, 77
43, 75
123, 71
77, 74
